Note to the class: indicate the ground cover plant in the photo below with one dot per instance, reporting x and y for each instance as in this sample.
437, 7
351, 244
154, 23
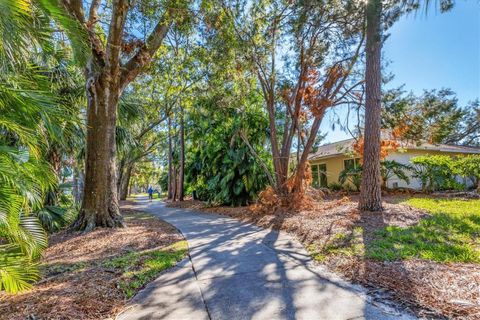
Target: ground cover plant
450, 234
92, 276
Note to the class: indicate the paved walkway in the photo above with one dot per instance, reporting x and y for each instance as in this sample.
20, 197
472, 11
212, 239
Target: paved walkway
239, 271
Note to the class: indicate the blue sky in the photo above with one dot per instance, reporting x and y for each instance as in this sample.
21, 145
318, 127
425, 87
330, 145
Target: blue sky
432, 51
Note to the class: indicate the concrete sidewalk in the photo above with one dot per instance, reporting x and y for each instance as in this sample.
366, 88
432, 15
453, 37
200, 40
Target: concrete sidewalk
239, 271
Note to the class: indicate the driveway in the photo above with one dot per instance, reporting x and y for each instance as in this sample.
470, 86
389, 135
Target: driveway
236, 270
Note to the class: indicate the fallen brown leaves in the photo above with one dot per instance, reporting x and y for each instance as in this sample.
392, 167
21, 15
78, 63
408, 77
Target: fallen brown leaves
75, 284
432, 289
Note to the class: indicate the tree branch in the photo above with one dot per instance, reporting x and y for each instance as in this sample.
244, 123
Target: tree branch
257, 157
115, 35
135, 65
93, 15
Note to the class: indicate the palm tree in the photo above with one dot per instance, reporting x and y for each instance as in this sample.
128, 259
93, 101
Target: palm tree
30, 115
391, 168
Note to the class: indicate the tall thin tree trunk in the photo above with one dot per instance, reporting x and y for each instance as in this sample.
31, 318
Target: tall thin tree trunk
55, 160
100, 202
125, 182
174, 185
121, 169
75, 190
170, 161
371, 187
181, 174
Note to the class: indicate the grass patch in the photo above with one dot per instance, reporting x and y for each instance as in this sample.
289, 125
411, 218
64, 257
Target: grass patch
346, 244
49, 270
451, 234
139, 268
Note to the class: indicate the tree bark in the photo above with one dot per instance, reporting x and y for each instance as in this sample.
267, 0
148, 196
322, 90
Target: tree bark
100, 202
302, 164
181, 174
125, 182
174, 185
371, 187
120, 170
75, 190
170, 161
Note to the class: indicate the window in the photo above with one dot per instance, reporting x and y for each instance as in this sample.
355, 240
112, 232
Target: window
319, 175
351, 163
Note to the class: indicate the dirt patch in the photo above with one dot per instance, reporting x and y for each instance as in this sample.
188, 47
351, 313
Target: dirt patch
75, 283
431, 289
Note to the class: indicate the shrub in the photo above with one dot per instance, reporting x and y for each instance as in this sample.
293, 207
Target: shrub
335, 186
351, 178
391, 168
436, 172
469, 168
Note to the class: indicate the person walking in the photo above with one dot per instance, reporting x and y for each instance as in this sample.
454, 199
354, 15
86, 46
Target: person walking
150, 193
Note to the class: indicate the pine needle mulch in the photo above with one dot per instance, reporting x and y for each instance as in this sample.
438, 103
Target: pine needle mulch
78, 280
337, 234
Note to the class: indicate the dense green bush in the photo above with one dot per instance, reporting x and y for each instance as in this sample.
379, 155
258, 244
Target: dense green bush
469, 168
439, 172
220, 166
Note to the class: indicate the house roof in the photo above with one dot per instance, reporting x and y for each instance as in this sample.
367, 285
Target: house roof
345, 146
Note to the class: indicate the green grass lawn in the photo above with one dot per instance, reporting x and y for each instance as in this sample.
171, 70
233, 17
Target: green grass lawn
451, 234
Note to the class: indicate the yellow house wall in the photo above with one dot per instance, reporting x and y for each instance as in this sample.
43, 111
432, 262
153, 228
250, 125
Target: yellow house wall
334, 166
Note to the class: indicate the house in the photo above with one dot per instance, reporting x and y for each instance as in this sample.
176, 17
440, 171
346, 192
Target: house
330, 159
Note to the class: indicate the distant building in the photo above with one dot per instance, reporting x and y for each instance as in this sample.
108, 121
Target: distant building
330, 159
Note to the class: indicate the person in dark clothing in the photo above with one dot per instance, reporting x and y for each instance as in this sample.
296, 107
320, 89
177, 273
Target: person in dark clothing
150, 193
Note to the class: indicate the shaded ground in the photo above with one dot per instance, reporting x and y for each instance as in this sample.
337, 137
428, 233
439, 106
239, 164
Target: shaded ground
91, 276
340, 238
239, 271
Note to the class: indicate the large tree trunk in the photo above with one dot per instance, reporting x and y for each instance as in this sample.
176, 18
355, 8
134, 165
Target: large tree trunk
100, 202
371, 187
125, 182
181, 174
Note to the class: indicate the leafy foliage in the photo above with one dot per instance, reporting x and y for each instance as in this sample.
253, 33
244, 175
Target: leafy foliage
434, 117
220, 166
388, 170
469, 167
391, 168
32, 119
435, 172
351, 177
